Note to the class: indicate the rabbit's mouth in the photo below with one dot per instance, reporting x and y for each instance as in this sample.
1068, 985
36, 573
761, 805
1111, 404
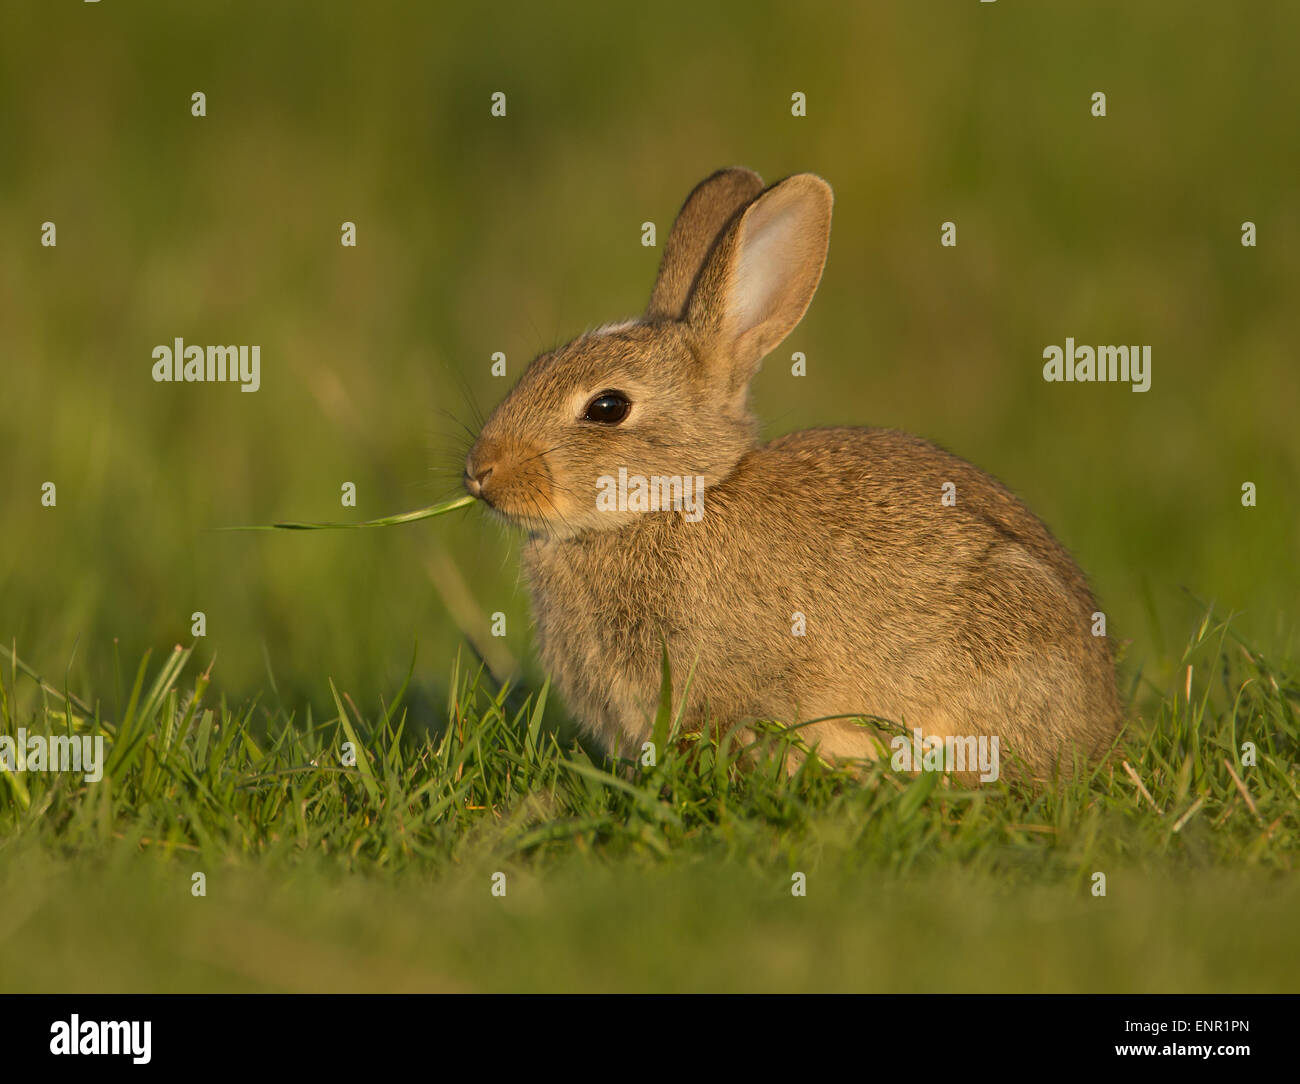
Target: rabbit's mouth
532, 521
526, 487
514, 480
541, 511
474, 484
518, 501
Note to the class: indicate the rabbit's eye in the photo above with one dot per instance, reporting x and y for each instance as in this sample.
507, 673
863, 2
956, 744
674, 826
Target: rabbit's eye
608, 408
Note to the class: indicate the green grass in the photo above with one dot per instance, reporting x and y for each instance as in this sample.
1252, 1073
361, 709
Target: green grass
322, 875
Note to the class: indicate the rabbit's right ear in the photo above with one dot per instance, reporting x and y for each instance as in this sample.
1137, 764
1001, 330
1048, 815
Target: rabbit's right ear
760, 277
705, 214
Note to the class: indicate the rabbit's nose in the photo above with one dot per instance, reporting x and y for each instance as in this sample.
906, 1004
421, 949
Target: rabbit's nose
476, 479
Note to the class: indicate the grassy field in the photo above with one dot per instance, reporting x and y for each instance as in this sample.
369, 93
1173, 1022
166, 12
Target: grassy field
479, 234
490, 854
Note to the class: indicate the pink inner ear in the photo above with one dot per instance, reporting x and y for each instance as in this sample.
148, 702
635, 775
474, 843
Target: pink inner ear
767, 251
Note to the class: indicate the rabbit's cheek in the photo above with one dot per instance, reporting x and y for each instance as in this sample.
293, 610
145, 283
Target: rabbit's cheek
560, 501
535, 493
526, 493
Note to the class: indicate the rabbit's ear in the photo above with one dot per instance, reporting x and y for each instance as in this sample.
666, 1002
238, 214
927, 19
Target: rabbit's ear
761, 275
705, 214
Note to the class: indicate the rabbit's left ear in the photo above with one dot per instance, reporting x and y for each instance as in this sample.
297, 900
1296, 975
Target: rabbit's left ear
761, 276
700, 222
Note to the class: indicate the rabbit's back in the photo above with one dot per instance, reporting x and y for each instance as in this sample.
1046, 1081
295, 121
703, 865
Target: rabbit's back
834, 571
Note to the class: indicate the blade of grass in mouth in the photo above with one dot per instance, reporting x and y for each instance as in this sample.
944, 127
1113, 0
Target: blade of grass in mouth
387, 521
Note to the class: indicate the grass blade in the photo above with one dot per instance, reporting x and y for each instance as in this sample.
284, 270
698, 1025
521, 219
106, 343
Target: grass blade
387, 521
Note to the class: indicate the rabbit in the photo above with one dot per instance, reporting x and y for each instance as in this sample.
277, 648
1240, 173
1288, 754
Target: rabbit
823, 576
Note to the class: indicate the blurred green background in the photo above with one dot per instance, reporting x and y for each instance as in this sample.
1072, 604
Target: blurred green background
480, 234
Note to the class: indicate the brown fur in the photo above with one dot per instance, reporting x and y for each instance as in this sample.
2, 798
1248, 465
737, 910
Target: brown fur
962, 620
